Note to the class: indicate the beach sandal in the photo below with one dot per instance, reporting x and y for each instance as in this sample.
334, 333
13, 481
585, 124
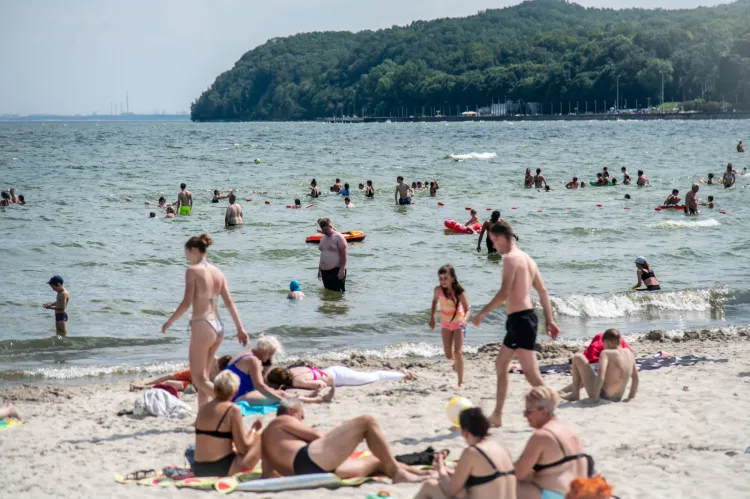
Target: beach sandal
423, 458
140, 474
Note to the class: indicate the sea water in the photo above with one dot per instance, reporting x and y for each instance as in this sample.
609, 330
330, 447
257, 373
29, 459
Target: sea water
125, 271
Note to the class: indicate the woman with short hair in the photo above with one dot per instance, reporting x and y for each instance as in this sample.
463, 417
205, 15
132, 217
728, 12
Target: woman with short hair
219, 429
553, 456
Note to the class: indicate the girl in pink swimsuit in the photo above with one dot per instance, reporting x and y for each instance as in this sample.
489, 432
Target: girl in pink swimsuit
454, 313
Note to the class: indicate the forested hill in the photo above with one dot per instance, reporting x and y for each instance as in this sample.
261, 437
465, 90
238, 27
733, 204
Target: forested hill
539, 51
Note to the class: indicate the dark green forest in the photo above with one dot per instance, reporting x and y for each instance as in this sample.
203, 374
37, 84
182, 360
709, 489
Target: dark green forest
546, 51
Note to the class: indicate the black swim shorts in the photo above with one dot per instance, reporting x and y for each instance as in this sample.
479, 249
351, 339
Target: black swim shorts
303, 465
331, 280
521, 330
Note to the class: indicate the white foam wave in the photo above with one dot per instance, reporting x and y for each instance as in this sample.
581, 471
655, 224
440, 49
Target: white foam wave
473, 155
622, 304
397, 351
73, 372
687, 224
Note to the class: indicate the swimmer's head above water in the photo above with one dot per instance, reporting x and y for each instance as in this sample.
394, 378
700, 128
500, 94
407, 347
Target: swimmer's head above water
495, 216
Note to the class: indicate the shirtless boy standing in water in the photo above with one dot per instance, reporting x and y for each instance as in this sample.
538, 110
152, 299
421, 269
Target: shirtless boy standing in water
184, 200
616, 367
520, 273
403, 192
60, 305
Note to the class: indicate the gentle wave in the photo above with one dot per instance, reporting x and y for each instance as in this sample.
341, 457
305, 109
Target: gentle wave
687, 224
55, 344
632, 303
400, 351
75, 372
391, 352
471, 155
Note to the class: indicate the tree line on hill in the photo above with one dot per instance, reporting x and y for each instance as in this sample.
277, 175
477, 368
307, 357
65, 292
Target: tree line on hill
545, 51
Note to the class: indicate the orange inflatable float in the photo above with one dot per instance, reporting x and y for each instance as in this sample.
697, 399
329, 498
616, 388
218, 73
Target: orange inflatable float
353, 236
453, 226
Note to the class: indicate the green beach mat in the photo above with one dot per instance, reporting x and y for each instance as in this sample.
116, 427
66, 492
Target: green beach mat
7, 424
251, 481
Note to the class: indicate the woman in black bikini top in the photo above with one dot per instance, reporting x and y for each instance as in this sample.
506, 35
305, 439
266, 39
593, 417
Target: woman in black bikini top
472, 470
646, 275
229, 433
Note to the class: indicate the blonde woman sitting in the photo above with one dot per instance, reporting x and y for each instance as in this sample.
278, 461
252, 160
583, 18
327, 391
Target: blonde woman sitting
223, 447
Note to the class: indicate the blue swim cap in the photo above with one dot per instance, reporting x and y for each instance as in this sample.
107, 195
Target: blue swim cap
294, 286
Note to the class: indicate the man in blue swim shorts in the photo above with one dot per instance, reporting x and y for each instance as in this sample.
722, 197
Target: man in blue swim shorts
403, 192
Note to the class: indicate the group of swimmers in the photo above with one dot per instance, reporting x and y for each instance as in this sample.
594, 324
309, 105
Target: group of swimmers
10, 197
604, 178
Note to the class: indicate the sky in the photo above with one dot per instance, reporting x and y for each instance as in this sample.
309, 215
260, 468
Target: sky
82, 56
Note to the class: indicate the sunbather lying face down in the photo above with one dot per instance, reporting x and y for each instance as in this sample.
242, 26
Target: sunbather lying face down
312, 378
291, 448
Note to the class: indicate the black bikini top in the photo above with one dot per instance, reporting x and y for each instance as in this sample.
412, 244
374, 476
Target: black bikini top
566, 459
645, 274
216, 433
473, 481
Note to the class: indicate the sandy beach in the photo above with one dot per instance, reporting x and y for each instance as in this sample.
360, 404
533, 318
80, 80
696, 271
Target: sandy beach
674, 440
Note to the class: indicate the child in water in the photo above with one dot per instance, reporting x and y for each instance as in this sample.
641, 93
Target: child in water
295, 292
60, 305
170, 213
454, 314
710, 202
474, 220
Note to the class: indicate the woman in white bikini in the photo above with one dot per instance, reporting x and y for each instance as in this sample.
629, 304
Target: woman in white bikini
204, 283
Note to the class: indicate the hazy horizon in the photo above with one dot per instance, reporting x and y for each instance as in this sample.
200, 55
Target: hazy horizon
82, 56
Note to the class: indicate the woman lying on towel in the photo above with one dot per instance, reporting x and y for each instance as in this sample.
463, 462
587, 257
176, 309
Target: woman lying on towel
219, 430
485, 469
553, 456
312, 378
249, 367
182, 379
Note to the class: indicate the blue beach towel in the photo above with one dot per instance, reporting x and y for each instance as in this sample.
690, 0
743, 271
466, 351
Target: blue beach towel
256, 410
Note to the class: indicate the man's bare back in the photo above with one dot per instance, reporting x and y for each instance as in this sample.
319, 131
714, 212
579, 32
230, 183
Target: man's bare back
185, 198
618, 364
233, 215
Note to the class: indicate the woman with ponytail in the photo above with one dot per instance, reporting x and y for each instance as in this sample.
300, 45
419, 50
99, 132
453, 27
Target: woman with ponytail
454, 313
204, 283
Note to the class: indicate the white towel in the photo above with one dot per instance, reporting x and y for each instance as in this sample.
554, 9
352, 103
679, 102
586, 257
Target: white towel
158, 402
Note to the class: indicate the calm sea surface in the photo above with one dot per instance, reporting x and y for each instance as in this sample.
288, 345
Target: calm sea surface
125, 271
